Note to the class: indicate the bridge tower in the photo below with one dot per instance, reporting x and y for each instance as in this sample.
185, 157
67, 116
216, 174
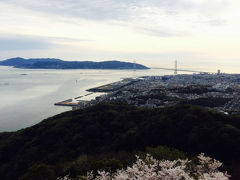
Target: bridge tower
175, 68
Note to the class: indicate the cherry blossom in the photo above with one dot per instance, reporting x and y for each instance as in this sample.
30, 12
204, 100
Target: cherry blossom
152, 169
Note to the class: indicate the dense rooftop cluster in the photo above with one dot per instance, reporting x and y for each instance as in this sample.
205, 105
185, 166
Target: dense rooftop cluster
218, 91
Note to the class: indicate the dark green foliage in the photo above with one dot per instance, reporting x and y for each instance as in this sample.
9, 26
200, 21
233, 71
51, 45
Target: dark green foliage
208, 102
159, 96
39, 172
194, 89
109, 128
165, 153
87, 163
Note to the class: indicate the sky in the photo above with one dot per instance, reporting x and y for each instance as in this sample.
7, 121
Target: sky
200, 34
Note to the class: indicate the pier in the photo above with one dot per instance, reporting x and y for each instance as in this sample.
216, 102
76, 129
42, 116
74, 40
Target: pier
67, 102
113, 86
79, 102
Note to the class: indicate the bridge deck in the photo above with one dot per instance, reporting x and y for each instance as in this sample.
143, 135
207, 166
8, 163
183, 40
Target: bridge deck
184, 70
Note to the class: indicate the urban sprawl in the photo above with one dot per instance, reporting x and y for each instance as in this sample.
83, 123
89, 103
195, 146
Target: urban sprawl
217, 91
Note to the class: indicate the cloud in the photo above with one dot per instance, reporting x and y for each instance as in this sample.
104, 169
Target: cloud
84, 28
163, 18
118, 10
162, 32
14, 42
212, 22
23, 43
94, 9
216, 22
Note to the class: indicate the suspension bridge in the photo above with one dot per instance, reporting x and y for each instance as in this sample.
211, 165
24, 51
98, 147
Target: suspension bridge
176, 69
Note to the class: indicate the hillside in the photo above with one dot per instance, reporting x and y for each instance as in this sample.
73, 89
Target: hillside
113, 128
60, 64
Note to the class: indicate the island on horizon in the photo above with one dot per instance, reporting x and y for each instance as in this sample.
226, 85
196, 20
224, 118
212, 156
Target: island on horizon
51, 63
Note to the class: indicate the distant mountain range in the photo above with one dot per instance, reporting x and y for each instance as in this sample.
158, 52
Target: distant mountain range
49, 63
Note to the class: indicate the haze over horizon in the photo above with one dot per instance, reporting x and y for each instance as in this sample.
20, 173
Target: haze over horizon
199, 33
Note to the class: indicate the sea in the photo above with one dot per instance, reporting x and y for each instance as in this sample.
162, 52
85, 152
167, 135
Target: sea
27, 96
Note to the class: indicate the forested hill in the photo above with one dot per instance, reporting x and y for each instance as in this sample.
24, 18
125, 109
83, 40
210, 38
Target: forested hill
46, 63
106, 128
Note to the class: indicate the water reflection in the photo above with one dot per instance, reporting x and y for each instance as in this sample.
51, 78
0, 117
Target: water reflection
27, 96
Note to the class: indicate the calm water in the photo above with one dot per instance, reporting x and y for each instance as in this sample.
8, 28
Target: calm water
28, 96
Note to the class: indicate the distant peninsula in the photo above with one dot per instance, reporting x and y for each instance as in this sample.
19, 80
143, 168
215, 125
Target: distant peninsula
49, 63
